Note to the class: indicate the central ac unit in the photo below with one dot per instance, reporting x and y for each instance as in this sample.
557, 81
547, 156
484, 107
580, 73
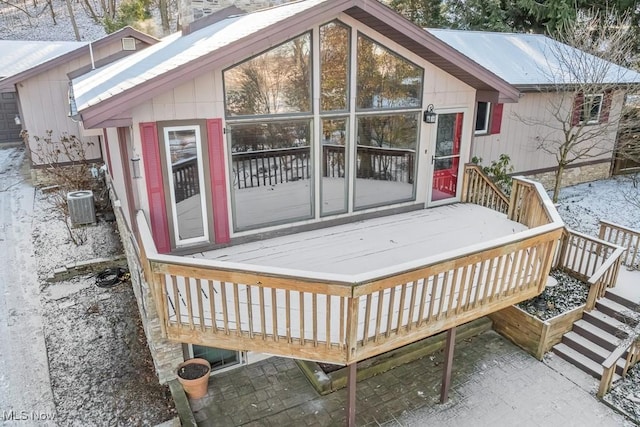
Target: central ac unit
82, 210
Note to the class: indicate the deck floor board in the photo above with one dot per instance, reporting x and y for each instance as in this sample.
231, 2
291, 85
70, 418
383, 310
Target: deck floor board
377, 243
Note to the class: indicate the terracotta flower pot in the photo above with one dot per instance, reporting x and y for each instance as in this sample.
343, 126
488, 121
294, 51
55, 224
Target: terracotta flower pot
193, 377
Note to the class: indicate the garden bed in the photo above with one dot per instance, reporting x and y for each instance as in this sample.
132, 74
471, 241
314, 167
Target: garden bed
568, 294
536, 325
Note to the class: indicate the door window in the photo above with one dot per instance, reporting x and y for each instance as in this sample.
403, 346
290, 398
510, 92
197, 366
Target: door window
446, 160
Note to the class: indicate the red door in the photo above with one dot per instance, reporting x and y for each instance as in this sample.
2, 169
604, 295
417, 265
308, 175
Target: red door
446, 158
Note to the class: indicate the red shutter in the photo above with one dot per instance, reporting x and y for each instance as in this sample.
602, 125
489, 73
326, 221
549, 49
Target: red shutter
155, 187
606, 106
106, 148
496, 118
576, 114
217, 167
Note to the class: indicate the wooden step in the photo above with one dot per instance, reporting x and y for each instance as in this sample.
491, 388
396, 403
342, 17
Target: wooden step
607, 323
584, 363
598, 336
619, 311
622, 300
590, 349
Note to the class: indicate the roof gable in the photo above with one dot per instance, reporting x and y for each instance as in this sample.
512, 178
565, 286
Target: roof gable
106, 92
527, 60
47, 55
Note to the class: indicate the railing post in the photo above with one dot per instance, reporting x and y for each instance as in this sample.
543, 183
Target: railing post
564, 245
594, 291
352, 327
465, 183
513, 199
605, 381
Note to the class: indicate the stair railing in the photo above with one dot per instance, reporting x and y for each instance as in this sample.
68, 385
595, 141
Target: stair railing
631, 347
626, 237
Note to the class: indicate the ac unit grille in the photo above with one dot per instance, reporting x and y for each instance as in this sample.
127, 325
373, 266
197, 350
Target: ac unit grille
82, 209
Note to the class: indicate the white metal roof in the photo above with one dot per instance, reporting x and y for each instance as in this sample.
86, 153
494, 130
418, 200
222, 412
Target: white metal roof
176, 50
17, 56
526, 59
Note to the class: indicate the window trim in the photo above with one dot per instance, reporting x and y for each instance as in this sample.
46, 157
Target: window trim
487, 120
242, 360
178, 242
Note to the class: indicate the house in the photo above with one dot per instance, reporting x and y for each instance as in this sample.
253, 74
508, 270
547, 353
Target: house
270, 173
544, 71
36, 76
16, 57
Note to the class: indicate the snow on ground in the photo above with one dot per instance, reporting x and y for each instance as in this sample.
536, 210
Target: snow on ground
583, 206
100, 367
15, 24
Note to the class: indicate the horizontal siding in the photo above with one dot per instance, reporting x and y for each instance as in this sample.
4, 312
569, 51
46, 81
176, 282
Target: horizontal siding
520, 137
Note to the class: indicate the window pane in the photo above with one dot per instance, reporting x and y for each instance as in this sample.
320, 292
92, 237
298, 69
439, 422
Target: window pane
218, 357
334, 183
482, 117
184, 154
334, 66
275, 82
386, 159
271, 172
386, 80
591, 108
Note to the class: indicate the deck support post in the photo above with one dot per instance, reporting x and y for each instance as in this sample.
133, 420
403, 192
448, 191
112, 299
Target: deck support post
351, 394
448, 364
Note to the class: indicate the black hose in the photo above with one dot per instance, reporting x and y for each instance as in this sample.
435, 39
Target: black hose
110, 277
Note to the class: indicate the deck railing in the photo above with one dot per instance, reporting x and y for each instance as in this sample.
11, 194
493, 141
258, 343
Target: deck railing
277, 166
185, 178
528, 204
478, 189
630, 350
625, 237
345, 318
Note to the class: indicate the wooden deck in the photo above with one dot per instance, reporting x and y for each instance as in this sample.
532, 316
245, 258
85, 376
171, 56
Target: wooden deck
376, 244
347, 293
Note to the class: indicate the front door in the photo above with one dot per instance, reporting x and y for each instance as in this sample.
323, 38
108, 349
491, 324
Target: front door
446, 157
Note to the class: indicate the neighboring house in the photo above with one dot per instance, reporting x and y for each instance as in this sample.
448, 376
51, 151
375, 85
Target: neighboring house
16, 57
271, 172
39, 73
530, 63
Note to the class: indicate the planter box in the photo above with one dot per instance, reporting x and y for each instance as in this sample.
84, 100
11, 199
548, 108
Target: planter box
532, 334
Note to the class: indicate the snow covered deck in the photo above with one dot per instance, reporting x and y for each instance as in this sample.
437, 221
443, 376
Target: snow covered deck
376, 244
349, 292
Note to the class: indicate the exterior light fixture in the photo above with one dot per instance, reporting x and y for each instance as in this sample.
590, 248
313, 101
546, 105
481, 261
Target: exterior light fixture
17, 120
135, 166
429, 116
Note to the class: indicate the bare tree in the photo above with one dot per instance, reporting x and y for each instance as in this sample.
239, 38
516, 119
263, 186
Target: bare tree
585, 72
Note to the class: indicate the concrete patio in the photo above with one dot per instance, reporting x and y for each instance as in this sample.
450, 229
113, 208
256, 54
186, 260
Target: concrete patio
493, 383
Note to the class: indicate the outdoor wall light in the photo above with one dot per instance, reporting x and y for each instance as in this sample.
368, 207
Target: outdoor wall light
429, 116
17, 120
135, 166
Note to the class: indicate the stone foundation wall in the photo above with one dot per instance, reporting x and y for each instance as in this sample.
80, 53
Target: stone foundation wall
574, 176
166, 354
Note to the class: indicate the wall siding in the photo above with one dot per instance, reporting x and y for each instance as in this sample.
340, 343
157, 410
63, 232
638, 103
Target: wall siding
44, 102
520, 140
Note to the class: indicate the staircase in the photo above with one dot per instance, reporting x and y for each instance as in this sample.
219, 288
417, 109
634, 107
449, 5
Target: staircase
597, 334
